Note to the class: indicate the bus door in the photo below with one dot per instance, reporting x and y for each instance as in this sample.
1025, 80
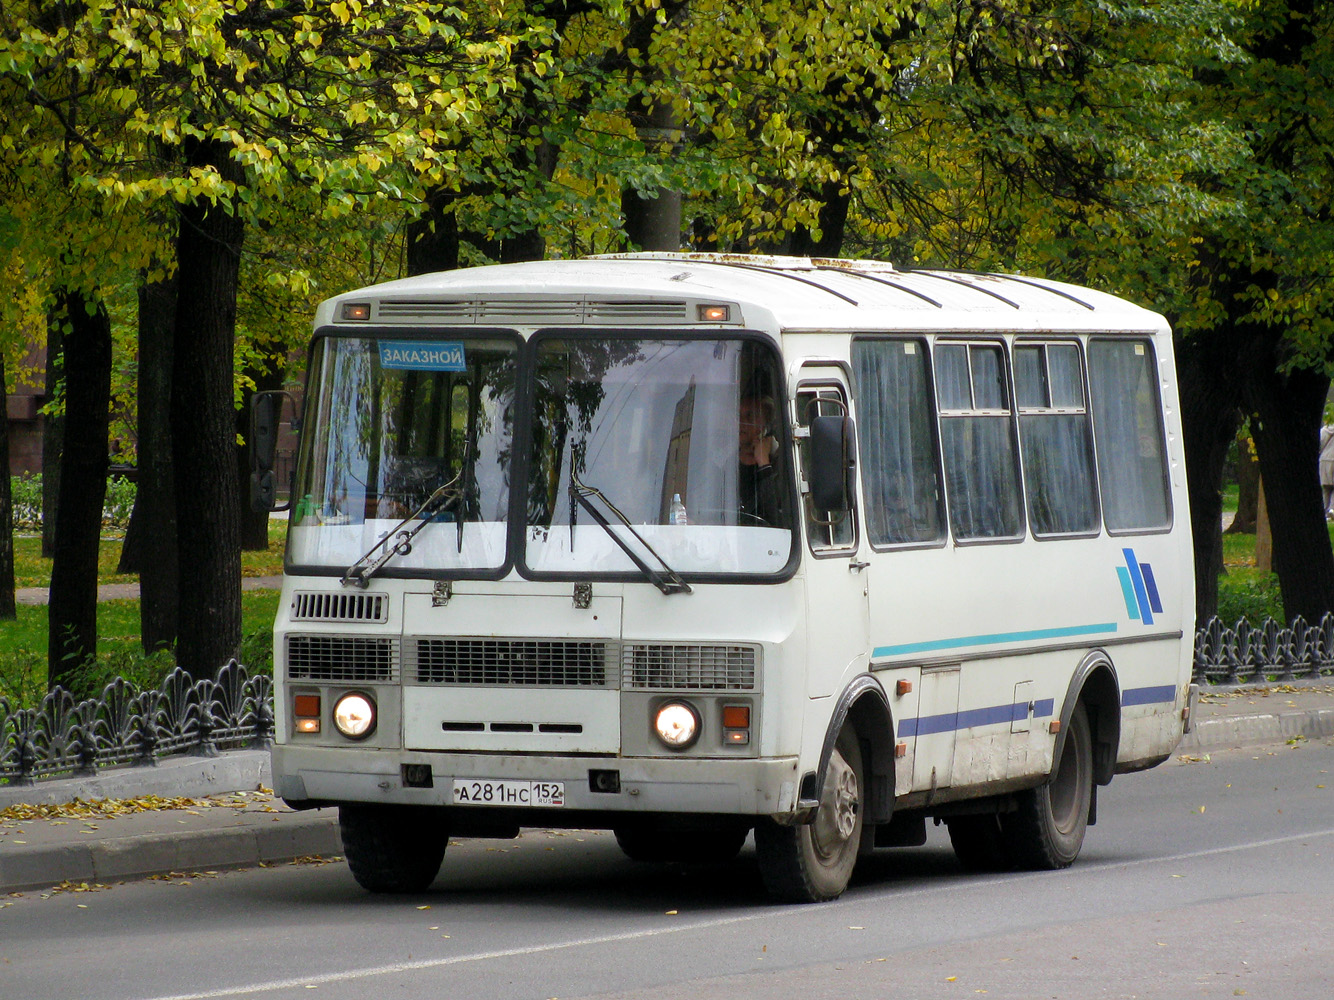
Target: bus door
837, 619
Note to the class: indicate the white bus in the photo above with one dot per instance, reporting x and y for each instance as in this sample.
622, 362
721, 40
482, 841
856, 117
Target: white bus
687, 546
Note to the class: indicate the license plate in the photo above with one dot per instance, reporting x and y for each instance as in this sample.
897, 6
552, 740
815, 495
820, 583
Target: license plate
498, 792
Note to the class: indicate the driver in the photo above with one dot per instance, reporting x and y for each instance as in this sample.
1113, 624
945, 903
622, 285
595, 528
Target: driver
757, 483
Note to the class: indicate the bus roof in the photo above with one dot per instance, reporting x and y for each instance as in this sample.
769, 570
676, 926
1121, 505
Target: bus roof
788, 293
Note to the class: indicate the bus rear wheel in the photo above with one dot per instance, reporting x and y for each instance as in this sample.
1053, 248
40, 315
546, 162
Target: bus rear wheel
1046, 832
813, 862
392, 849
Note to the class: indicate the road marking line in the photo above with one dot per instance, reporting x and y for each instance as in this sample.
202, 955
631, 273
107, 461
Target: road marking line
766, 913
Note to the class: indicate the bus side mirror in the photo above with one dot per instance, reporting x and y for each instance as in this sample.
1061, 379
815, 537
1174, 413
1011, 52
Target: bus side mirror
833, 451
266, 410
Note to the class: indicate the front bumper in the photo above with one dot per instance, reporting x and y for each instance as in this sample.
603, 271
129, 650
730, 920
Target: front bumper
749, 787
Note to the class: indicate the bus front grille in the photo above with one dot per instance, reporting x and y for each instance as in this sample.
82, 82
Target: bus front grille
328, 606
680, 667
512, 662
347, 659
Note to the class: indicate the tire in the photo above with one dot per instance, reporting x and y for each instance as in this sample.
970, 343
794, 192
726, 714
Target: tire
812, 863
691, 847
392, 849
979, 843
1046, 832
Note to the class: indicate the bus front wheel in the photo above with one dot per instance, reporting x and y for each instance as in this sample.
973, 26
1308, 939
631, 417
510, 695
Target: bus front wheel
813, 862
1046, 832
392, 849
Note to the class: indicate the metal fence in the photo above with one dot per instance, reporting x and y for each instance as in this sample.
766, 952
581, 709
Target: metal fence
1270, 654
64, 737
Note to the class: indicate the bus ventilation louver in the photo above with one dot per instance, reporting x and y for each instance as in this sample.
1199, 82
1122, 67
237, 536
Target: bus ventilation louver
346, 659
688, 668
315, 606
528, 312
511, 662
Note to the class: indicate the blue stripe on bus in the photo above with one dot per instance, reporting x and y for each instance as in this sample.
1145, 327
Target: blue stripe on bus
1141, 593
1152, 587
1148, 695
974, 717
997, 637
1128, 592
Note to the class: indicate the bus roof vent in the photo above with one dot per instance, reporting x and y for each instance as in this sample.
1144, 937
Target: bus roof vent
521, 312
637, 312
324, 606
409, 309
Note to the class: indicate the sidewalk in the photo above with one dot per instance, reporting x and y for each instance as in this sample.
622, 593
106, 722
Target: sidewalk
124, 591
221, 814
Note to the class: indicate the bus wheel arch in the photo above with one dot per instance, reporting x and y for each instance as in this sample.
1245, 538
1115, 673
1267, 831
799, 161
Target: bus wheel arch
864, 704
812, 861
1096, 686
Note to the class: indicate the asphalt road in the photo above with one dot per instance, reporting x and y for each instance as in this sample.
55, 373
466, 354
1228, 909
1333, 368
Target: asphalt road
1204, 879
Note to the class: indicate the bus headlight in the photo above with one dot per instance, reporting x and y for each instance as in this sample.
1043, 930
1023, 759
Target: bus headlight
354, 715
676, 724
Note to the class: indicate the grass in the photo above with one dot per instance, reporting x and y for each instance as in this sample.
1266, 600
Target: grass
23, 642
31, 569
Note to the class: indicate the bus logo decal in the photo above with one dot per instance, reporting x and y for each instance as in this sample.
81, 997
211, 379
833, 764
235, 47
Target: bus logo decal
1139, 588
422, 356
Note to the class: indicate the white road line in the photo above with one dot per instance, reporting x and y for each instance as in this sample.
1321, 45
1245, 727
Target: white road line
763, 913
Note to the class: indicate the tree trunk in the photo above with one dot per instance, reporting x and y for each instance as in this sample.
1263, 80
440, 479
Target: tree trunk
652, 217
8, 611
1287, 439
53, 434
1248, 489
1264, 535
150, 541
254, 523
1209, 423
72, 623
834, 204
203, 424
433, 237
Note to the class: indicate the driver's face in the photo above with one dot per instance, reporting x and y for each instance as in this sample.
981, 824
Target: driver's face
752, 422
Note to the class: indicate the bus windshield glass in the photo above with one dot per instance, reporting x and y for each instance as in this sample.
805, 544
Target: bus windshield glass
670, 449
395, 425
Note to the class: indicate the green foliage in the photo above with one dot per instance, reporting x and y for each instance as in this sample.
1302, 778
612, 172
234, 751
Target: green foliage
1249, 594
23, 645
27, 508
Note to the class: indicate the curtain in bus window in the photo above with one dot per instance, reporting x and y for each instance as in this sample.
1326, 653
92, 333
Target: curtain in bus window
900, 473
1127, 426
1054, 436
980, 476
977, 441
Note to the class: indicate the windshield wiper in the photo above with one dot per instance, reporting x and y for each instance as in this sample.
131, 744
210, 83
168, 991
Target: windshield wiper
398, 542
667, 580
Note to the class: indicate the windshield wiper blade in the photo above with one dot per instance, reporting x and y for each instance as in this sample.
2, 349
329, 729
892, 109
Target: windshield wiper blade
667, 580
398, 542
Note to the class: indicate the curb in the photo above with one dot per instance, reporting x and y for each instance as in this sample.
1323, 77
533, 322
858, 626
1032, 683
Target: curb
249, 839
1254, 730
142, 855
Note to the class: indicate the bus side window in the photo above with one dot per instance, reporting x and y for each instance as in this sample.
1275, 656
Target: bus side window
897, 439
1128, 429
1056, 443
977, 439
825, 530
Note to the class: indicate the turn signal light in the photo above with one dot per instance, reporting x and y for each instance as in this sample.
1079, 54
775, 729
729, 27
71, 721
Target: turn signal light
306, 710
736, 725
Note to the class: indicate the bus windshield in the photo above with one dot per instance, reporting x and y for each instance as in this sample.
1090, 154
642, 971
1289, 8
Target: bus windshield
664, 434
664, 451
391, 422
